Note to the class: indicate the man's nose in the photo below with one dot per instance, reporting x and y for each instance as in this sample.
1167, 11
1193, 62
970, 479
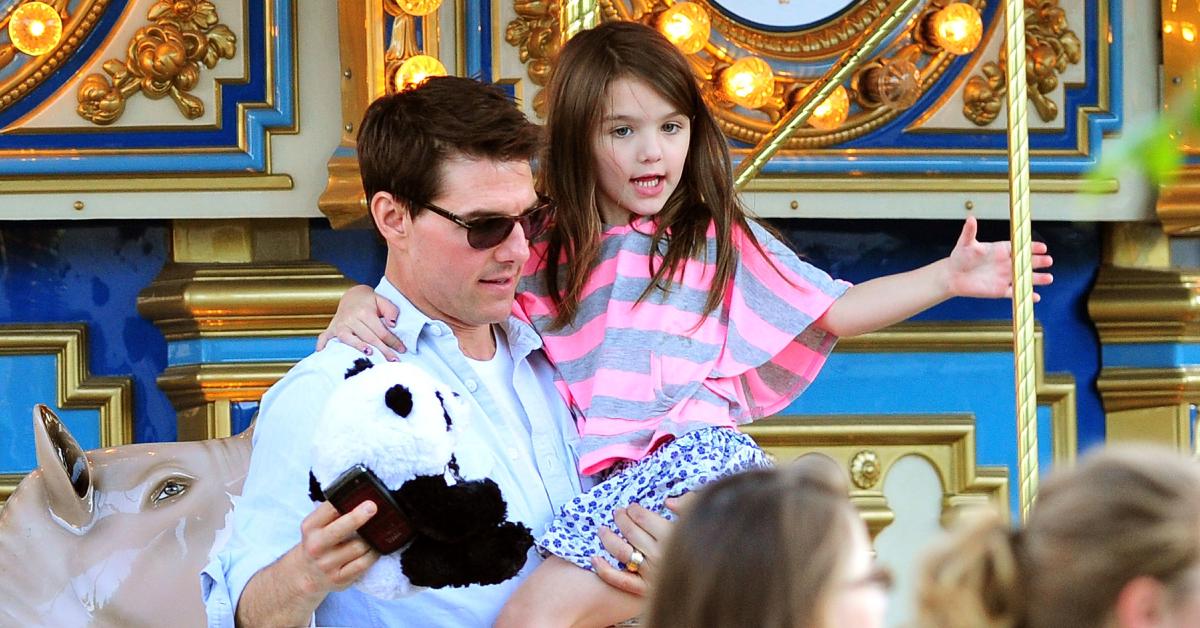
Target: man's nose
514, 248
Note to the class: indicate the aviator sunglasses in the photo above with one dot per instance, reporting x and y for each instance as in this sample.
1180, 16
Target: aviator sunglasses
489, 231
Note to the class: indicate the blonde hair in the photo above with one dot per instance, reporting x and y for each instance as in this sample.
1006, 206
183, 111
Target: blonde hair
759, 548
1121, 513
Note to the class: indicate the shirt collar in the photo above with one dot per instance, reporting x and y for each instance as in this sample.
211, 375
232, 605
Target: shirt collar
522, 338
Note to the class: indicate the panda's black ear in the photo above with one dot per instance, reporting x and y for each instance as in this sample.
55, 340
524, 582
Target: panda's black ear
360, 365
399, 399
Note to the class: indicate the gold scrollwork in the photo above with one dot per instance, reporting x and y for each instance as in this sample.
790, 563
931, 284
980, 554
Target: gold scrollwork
163, 59
536, 33
831, 37
1050, 46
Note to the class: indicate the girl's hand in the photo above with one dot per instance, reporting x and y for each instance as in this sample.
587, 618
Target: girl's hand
984, 269
363, 320
648, 532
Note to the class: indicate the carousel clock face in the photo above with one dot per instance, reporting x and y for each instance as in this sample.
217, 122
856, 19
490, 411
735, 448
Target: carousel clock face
784, 14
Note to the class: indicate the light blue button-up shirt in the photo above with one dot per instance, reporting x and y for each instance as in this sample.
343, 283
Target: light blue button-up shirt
266, 519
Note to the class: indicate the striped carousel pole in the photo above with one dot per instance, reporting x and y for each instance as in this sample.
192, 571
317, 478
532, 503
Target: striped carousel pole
1019, 233
809, 101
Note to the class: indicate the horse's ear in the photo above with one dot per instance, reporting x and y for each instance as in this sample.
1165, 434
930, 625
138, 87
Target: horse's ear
66, 470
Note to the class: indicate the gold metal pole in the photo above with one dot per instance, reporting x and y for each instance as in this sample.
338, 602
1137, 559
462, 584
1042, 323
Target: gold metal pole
1019, 229
838, 74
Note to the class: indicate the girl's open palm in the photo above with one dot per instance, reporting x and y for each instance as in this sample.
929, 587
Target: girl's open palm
984, 269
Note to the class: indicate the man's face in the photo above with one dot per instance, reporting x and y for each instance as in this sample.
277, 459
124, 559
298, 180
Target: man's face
445, 277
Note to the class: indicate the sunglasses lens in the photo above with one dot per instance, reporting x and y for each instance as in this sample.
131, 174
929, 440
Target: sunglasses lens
489, 232
534, 224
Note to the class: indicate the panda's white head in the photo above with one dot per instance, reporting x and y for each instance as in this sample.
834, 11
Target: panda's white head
392, 417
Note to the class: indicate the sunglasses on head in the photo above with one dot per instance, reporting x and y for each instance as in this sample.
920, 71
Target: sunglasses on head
489, 231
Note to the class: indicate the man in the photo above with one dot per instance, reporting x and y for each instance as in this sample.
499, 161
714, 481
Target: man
446, 171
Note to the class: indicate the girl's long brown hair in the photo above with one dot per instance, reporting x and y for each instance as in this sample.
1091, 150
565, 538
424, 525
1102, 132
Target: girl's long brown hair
586, 66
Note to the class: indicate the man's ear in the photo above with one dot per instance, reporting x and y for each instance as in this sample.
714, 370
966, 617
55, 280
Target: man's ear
391, 216
1141, 603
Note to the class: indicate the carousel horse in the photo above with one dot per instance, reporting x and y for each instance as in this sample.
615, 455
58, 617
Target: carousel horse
116, 536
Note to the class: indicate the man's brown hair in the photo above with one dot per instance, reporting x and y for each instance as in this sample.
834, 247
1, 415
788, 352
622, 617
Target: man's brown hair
405, 137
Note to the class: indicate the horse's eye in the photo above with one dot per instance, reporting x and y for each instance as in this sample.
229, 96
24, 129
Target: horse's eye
172, 487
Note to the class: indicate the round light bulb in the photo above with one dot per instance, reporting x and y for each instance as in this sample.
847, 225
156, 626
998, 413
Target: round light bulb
415, 70
687, 25
35, 28
749, 82
418, 7
957, 28
831, 113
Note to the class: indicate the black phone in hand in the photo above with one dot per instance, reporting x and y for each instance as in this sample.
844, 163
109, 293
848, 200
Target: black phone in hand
389, 529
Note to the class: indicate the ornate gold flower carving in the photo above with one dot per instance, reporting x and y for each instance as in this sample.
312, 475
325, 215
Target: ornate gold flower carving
163, 59
1050, 45
865, 469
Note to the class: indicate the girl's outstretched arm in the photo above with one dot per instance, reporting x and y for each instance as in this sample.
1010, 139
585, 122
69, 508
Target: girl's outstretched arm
362, 321
973, 269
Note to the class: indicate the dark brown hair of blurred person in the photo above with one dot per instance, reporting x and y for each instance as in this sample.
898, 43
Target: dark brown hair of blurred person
1122, 514
761, 548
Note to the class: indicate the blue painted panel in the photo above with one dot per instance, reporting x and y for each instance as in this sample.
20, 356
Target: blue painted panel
241, 414
91, 272
24, 381
217, 350
1151, 355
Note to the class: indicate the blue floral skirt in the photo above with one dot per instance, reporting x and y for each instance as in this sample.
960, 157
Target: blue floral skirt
683, 464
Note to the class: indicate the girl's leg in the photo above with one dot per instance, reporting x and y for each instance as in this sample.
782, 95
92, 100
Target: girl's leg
560, 594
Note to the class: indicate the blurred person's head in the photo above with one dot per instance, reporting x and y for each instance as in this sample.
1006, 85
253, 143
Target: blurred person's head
1112, 542
771, 548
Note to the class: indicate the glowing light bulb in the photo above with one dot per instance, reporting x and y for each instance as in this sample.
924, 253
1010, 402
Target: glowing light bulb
1187, 30
35, 28
749, 82
957, 28
687, 25
831, 113
415, 70
418, 7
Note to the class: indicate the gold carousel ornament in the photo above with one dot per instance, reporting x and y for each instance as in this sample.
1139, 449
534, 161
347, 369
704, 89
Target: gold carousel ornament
35, 28
163, 59
405, 64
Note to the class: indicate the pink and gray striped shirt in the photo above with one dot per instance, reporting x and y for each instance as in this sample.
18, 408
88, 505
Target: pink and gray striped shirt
642, 374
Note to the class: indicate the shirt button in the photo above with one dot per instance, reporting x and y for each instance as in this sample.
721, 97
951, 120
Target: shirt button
549, 463
436, 330
472, 385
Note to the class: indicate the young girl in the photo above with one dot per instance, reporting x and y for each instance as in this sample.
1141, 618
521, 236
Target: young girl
671, 316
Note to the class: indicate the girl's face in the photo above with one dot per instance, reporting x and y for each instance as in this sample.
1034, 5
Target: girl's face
638, 151
860, 596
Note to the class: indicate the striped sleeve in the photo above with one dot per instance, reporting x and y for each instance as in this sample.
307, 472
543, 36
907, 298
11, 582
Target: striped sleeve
772, 349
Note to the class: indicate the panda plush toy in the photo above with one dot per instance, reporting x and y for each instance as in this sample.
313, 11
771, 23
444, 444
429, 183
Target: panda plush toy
397, 421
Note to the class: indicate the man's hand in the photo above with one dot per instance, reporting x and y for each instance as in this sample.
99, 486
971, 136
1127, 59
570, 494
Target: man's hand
333, 553
330, 557
645, 530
